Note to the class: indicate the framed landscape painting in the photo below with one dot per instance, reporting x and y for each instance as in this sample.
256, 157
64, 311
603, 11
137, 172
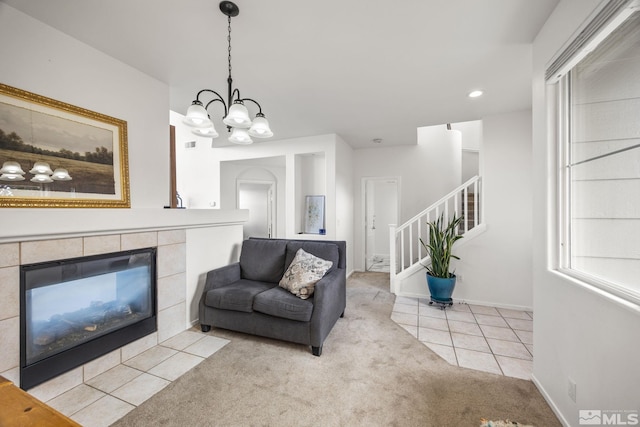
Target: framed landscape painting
54, 154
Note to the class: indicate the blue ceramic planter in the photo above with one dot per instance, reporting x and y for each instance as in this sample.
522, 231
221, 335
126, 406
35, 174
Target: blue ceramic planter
441, 289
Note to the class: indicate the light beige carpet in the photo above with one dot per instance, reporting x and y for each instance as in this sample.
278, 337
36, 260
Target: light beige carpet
371, 373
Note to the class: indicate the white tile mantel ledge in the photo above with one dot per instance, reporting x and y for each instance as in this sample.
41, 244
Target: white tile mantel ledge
39, 224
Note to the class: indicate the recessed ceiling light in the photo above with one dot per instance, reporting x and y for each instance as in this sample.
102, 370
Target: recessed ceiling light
475, 94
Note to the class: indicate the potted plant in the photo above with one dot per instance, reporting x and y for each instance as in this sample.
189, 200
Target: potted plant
442, 236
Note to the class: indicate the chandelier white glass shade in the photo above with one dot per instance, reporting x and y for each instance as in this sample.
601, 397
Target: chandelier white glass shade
61, 174
11, 171
42, 178
42, 173
236, 115
240, 136
41, 168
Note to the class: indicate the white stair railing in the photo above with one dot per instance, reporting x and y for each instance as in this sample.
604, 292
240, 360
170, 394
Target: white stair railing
406, 250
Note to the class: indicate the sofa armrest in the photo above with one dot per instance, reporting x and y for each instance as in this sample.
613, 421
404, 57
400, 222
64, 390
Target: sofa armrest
222, 276
329, 303
216, 278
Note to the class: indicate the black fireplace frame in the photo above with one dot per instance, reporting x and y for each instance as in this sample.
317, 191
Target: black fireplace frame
57, 364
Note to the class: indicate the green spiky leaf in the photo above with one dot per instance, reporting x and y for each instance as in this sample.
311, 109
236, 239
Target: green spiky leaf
441, 239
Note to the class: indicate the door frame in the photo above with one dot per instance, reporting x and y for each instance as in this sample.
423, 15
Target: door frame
363, 213
271, 212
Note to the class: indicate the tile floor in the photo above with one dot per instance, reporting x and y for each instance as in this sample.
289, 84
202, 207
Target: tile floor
489, 339
106, 398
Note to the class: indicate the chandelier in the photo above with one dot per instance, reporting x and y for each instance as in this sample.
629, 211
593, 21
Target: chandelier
236, 115
42, 173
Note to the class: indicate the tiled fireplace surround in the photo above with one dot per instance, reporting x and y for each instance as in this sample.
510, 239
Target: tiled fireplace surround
171, 284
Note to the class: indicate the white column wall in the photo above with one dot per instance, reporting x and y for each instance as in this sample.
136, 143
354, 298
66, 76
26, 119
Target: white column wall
208, 248
345, 197
496, 265
580, 333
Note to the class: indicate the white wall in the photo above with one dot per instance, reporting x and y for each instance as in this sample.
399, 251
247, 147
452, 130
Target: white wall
427, 171
345, 196
208, 248
495, 267
311, 180
253, 170
501, 275
196, 174
40, 59
332, 175
45, 61
471, 142
471, 134
579, 332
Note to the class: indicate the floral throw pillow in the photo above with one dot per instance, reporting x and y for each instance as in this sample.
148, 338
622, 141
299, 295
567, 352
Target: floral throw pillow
303, 273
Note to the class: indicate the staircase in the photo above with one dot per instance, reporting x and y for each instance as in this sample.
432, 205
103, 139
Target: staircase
472, 201
407, 253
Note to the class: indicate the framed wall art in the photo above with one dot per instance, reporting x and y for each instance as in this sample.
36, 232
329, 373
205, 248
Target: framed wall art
54, 154
314, 215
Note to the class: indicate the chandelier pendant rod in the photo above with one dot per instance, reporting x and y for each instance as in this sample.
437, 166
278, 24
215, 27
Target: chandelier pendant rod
236, 116
230, 90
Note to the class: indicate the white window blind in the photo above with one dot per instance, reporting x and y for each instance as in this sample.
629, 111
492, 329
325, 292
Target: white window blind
600, 155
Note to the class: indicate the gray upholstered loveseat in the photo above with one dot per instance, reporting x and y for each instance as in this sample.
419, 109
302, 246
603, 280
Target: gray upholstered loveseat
245, 296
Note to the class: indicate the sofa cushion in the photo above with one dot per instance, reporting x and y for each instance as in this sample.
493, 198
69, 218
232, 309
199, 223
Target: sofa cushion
237, 296
303, 273
325, 250
263, 259
281, 303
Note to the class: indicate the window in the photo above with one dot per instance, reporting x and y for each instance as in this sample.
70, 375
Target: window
599, 141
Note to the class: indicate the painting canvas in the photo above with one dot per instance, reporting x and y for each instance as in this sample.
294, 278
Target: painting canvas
314, 215
54, 154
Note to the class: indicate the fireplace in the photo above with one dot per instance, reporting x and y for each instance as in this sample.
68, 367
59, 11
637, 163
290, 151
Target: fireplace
75, 310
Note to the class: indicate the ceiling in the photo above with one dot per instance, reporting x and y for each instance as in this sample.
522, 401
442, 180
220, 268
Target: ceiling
363, 69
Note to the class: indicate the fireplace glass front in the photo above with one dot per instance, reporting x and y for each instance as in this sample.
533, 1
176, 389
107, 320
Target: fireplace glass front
75, 310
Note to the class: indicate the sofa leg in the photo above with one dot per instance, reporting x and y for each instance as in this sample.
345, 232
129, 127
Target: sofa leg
342, 315
205, 328
317, 351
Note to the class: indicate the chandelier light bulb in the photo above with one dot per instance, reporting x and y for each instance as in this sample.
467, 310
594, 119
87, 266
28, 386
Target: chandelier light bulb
240, 136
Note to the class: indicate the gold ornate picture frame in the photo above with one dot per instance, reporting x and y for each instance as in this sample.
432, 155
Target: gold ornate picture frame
57, 155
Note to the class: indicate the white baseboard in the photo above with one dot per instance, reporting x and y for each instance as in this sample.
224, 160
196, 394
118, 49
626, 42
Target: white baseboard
467, 301
546, 397
495, 304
